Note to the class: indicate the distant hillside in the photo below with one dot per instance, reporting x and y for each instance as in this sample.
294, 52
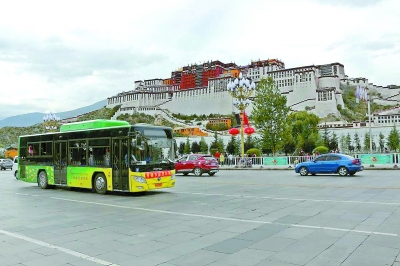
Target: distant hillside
30, 119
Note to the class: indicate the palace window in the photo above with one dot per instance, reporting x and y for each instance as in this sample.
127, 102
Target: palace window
324, 96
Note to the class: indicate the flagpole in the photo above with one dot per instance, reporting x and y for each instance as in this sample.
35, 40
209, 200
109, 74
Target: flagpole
370, 122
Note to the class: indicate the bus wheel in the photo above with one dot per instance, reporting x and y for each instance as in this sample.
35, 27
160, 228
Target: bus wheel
16, 175
100, 184
42, 180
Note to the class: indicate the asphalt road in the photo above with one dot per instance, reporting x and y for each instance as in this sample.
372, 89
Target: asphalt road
233, 218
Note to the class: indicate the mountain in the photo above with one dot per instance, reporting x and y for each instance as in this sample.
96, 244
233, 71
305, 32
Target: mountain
30, 119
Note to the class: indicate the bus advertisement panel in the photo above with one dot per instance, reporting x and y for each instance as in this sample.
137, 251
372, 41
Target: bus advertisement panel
102, 155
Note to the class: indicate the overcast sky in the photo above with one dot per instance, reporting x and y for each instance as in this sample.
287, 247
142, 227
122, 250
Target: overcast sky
61, 55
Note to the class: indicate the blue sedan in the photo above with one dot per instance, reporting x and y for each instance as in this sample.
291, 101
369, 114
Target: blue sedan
330, 163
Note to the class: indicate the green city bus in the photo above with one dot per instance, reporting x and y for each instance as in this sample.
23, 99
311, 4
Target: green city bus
102, 155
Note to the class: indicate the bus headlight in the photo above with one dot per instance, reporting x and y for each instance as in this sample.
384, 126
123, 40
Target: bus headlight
173, 177
139, 179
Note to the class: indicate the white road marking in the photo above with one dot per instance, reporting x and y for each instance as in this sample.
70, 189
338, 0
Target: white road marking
293, 199
65, 250
226, 218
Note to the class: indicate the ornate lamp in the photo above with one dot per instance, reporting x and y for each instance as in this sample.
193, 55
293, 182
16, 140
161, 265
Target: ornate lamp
240, 89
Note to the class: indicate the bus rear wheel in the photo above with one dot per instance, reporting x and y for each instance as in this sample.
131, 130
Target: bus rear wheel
43, 183
100, 184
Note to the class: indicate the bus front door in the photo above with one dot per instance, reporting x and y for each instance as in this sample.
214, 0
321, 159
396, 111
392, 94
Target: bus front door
120, 167
60, 163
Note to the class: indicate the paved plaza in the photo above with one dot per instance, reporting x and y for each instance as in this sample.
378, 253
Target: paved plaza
237, 217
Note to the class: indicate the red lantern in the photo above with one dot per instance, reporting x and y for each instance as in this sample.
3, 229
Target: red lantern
233, 131
249, 130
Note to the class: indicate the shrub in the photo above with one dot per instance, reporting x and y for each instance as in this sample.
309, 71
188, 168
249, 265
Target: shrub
321, 149
252, 151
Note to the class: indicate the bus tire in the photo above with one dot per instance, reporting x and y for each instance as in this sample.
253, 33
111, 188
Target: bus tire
100, 184
43, 182
16, 174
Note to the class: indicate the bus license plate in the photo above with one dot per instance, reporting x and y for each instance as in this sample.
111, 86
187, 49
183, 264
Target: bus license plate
158, 185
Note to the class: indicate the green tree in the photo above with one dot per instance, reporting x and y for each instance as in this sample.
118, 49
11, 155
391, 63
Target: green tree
195, 147
249, 143
203, 145
366, 142
381, 141
357, 142
186, 149
343, 145
326, 136
269, 113
232, 146
303, 126
217, 144
333, 141
393, 139
349, 147
181, 148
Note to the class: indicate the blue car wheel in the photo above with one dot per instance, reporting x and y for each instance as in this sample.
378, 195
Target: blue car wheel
303, 171
343, 171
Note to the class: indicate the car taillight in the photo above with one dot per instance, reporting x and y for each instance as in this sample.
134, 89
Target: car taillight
355, 161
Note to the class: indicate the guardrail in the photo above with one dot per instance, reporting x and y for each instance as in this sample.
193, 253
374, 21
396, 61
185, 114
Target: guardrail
386, 160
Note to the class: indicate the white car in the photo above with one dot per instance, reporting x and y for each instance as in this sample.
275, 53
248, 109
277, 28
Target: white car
15, 167
6, 164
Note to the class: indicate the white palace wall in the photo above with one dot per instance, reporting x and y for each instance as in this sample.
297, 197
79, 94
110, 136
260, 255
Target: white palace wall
209, 103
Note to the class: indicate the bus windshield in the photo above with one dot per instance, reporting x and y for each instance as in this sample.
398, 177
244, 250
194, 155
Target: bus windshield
152, 149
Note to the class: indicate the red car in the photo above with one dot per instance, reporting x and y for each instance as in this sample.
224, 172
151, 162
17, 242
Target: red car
197, 164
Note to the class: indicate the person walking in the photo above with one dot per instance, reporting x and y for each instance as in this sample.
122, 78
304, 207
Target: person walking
230, 158
221, 159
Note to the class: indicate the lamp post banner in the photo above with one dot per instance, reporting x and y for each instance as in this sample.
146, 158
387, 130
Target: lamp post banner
376, 158
275, 161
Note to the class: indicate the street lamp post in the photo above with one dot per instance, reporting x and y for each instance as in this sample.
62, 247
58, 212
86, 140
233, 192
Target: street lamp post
240, 89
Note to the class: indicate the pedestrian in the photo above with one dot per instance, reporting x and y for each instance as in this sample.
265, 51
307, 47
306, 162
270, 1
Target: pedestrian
221, 159
230, 158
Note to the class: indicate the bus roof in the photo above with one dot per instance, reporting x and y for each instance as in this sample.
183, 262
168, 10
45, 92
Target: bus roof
92, 124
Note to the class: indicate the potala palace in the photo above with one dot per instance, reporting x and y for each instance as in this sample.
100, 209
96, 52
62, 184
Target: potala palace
201, 89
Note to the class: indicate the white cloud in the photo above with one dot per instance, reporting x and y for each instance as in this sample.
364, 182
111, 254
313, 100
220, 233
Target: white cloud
59, 55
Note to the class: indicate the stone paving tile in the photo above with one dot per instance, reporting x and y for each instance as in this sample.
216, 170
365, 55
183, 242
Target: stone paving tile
295, 233
374, 255
258, 235
292, 219
46, 251
246, 257
322, 262
383, 241
312, 245
337, 253
83, 262
88, 249
352, 239
295, 258
199, 258
269, 262
229, 246
19, 257
53, 260
178, 237
143, 248
115, 256
273, 244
